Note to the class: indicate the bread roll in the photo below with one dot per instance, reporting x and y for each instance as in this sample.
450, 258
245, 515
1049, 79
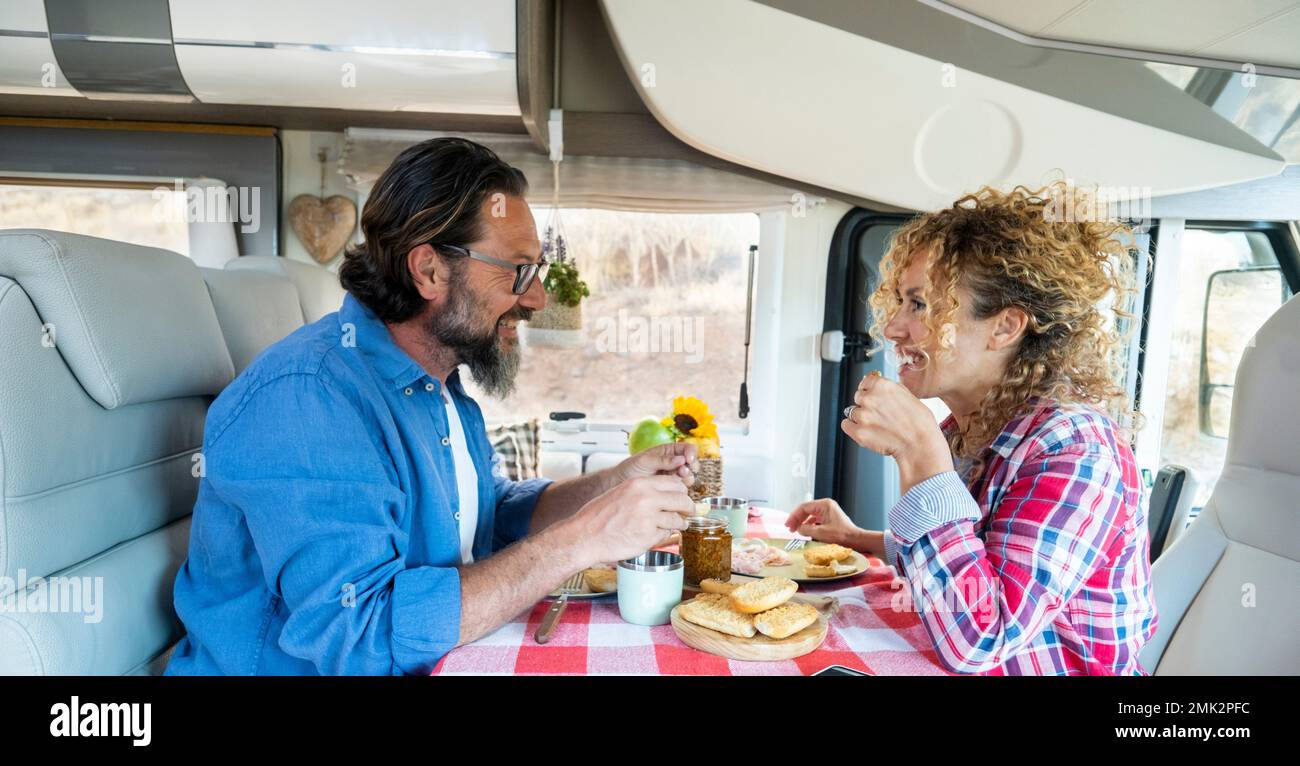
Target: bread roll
601, 580
711, 585
714, 611
762, 595
814, 570
823, 555
785, 620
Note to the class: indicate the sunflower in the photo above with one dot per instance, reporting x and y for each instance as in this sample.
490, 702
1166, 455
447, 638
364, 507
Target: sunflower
691, 418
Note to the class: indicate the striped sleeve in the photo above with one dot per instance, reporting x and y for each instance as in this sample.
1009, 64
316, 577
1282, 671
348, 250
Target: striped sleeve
891, 549
983, 601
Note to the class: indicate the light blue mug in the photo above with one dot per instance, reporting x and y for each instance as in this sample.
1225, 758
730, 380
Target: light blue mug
649, 586
734, 509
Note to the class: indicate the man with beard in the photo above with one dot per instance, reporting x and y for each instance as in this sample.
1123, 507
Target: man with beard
349, 520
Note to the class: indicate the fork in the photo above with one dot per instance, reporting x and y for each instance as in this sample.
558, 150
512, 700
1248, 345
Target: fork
795, 544
570, 586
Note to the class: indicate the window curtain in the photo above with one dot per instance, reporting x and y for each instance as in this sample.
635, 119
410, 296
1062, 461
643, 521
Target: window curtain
610, 183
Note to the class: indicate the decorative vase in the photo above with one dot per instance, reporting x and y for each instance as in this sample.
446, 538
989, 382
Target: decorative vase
556, 325
557, 316
708, 480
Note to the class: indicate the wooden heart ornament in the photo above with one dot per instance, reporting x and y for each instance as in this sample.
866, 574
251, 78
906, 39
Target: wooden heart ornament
323, 226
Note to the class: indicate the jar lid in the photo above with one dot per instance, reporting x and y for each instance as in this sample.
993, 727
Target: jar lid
705, 523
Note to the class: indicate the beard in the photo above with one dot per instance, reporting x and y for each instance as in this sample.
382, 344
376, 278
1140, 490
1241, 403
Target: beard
492, 364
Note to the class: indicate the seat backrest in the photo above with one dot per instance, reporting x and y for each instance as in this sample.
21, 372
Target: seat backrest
255, 309
111, 355
318, 289
1226, 588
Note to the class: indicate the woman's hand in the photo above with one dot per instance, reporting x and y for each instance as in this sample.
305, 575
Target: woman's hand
824, 521
887, 418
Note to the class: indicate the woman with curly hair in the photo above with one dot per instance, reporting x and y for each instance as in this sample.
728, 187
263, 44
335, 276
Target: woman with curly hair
1020, 530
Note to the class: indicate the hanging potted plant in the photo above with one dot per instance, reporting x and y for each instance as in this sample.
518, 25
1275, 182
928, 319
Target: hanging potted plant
560, 322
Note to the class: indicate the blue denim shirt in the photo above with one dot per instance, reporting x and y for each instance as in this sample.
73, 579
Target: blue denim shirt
326, 539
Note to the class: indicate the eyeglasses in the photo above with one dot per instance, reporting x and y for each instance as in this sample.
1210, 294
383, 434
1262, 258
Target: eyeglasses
525, 273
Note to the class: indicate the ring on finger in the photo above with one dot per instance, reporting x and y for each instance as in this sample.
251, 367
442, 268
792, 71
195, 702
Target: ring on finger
848, 412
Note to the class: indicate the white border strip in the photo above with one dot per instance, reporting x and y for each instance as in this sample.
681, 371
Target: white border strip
382, 50
376, 49
80, 38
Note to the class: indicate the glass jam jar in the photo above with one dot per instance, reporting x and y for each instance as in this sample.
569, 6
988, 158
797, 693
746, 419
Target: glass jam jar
706, 549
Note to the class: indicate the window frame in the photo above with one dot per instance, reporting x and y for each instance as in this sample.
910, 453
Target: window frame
844, 271
1159, 305
589, 436
98, 182
243, 156
1279, 236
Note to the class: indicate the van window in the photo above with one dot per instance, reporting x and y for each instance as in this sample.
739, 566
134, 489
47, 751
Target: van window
1230, 284
135, 213
665, 318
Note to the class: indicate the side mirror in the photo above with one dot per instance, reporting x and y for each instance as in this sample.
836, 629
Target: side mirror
1236, 300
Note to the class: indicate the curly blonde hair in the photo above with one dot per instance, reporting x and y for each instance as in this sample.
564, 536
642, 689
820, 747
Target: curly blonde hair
1025, 249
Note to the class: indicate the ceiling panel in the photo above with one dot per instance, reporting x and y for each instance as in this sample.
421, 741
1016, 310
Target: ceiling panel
1019, 15
401, 55
884, 123
1177, 26
27, 63
27, 15
483, 25
1276, 41
1260, 31
307, 78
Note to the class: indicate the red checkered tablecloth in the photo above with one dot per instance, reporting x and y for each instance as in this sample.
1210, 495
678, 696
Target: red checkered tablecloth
868, 633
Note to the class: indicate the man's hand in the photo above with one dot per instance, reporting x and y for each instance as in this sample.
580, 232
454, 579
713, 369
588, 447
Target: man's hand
674, 459
560, 500
632, 518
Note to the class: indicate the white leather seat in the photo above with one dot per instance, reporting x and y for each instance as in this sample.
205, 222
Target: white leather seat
255, 309
111, 354
319, 290
101, 414
1226, 590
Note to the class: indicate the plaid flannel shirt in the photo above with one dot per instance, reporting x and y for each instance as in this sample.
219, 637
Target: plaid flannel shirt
1041, 566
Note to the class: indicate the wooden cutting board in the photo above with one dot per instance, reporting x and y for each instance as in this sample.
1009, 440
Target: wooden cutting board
760, 648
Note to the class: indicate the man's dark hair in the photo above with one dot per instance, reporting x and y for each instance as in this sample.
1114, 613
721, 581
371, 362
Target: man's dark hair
430, 194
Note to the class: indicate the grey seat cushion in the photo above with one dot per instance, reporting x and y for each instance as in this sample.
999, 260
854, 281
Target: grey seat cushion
134, 324
255, 309
112, 354
1226, 589
319, 290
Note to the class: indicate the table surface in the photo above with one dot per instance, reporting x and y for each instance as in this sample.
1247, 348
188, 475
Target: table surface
869, 633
